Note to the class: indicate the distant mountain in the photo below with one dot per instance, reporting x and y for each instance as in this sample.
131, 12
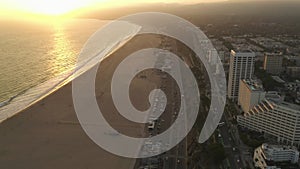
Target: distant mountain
221, 14
259, 10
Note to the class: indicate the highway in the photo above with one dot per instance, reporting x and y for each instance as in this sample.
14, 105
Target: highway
230, 143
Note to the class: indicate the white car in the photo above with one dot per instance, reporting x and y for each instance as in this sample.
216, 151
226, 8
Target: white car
151, 125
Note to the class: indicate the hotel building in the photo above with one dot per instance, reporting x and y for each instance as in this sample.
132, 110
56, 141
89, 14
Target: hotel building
279, 119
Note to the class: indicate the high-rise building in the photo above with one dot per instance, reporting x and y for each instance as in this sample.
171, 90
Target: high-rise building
273, 63
241, 67
279, 119
273, 156
213, 57
251, 93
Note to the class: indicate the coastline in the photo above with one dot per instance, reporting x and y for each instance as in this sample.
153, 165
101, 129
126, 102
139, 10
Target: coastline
16, 104
48, 135
40, 136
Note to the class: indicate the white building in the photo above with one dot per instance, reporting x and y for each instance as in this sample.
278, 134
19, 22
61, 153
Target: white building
251, 93
241, 67
279, 119
267, 156
213, 57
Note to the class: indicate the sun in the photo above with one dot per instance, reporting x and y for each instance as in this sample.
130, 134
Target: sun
47, 7
52, 7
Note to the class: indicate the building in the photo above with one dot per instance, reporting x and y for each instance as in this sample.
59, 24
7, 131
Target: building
273, 63
251, 93
274, 96
215, 61
293, 71
276, 118
274, 156
241, 67
213, 57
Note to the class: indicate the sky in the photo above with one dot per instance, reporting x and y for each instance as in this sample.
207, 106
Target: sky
59, 7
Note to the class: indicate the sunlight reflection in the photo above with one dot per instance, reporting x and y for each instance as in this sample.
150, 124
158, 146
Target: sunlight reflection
63, 51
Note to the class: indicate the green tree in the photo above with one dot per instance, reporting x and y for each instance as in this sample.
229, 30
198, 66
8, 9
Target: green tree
216, 152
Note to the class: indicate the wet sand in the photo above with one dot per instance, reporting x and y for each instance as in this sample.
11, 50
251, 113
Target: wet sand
47, 135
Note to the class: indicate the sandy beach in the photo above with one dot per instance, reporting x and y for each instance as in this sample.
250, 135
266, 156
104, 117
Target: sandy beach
48, 135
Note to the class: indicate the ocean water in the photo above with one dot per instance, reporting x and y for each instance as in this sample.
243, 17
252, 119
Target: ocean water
36, 58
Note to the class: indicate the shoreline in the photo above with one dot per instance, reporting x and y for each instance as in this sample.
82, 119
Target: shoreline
59, 82
38, 138
47, 134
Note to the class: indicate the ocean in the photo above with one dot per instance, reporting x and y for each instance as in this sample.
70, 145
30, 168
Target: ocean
36, 58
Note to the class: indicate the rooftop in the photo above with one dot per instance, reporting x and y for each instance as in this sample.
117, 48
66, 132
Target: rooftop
273, 54
290, 105
242, 51
266, 147
253, 85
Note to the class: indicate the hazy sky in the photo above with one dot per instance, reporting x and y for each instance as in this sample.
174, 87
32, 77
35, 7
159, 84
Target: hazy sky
56, 7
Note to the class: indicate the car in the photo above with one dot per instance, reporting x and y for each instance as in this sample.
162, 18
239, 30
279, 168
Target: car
151, 125
221, 124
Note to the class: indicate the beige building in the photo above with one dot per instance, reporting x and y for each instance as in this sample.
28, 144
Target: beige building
251, 93
241, 67
273, 63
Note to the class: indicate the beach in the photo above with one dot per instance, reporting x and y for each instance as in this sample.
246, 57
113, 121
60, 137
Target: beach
48, 134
